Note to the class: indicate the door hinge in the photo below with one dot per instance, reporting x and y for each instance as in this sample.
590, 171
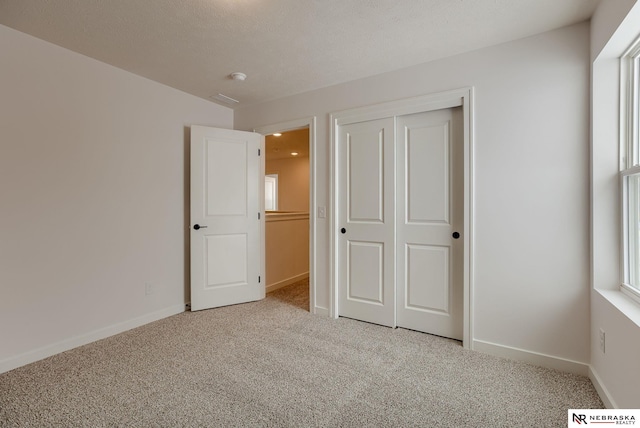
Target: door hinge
258, 152
258, 279
258, 216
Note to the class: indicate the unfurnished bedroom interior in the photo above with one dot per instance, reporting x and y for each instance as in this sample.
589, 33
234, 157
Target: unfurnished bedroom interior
296, 213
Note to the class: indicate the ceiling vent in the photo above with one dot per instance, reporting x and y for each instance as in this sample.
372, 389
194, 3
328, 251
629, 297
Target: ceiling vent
224, 99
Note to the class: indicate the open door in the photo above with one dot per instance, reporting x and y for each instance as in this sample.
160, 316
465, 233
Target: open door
227, 225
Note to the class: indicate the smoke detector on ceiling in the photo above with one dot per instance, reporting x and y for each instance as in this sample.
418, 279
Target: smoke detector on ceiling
238, 76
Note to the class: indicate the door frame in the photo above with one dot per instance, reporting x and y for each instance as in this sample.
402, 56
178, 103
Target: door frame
462, 97
291, 125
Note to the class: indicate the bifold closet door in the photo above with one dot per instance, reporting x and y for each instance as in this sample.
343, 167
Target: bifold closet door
366, 219
429, 196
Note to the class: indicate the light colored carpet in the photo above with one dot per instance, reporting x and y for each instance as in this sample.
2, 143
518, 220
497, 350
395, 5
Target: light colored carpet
273, 364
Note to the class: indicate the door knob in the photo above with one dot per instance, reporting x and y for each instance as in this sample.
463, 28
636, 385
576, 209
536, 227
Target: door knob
455, 235
343, 230
197, 227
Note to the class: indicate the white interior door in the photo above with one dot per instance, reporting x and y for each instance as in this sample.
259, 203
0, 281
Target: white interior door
227, 228
366, 220
430, 192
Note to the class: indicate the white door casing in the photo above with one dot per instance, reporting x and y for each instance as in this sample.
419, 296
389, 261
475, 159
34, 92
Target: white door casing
367, 220
227, 228
429, 212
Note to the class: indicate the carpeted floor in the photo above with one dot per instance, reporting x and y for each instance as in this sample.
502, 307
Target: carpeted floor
273, 364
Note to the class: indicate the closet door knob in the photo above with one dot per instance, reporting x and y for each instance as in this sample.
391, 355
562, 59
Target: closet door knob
343, 230
197, 227
455, 235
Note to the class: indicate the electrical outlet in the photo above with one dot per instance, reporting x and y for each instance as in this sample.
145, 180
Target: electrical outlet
602, 341
149, 288
322, 212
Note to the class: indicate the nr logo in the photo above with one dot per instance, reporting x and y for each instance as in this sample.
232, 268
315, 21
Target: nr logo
580, 419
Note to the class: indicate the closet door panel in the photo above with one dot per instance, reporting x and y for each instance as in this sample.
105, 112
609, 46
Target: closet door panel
366, 215
429, 196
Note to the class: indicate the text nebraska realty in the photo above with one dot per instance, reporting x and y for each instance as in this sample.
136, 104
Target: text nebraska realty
606, 419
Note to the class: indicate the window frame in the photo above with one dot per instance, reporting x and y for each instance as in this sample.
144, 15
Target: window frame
630, 165
273, 178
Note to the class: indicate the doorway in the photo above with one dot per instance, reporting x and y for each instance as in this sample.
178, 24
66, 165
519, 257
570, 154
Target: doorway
287, 222
292, 225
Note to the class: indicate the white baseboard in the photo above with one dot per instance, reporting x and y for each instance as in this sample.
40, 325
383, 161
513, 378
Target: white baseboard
280, 284
321, 311
530, 357
84, 339
602, 390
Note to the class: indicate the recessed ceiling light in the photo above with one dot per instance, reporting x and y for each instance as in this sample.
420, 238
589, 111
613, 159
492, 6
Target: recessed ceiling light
294, 153
276, 134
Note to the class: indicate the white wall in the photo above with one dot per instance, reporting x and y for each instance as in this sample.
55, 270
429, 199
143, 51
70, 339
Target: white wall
92, 197
531, 283
615, 372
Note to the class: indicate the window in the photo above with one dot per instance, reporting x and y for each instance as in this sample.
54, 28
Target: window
630, 168
271, 192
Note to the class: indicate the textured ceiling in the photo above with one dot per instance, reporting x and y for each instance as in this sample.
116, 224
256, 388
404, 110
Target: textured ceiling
284, 46
290, 141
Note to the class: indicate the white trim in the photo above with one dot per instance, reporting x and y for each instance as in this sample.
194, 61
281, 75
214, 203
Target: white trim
321, 311
333, 218
629, 160
84, 339
625, 305
626, 152
624, 228
459, 97
290, 126
469, 216
285, 216
631, 292
281, 284
437, 101
530, 357
630, 171
602, 390
262, 219
629, 106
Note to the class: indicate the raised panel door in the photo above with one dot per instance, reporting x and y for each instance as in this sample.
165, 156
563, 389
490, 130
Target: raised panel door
366, 216
226, 195
429, 199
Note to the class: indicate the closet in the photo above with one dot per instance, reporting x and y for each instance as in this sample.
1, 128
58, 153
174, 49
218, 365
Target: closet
400, 220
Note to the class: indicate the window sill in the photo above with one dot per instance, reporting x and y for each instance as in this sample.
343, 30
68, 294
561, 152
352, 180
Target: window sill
631, 292
624, 303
